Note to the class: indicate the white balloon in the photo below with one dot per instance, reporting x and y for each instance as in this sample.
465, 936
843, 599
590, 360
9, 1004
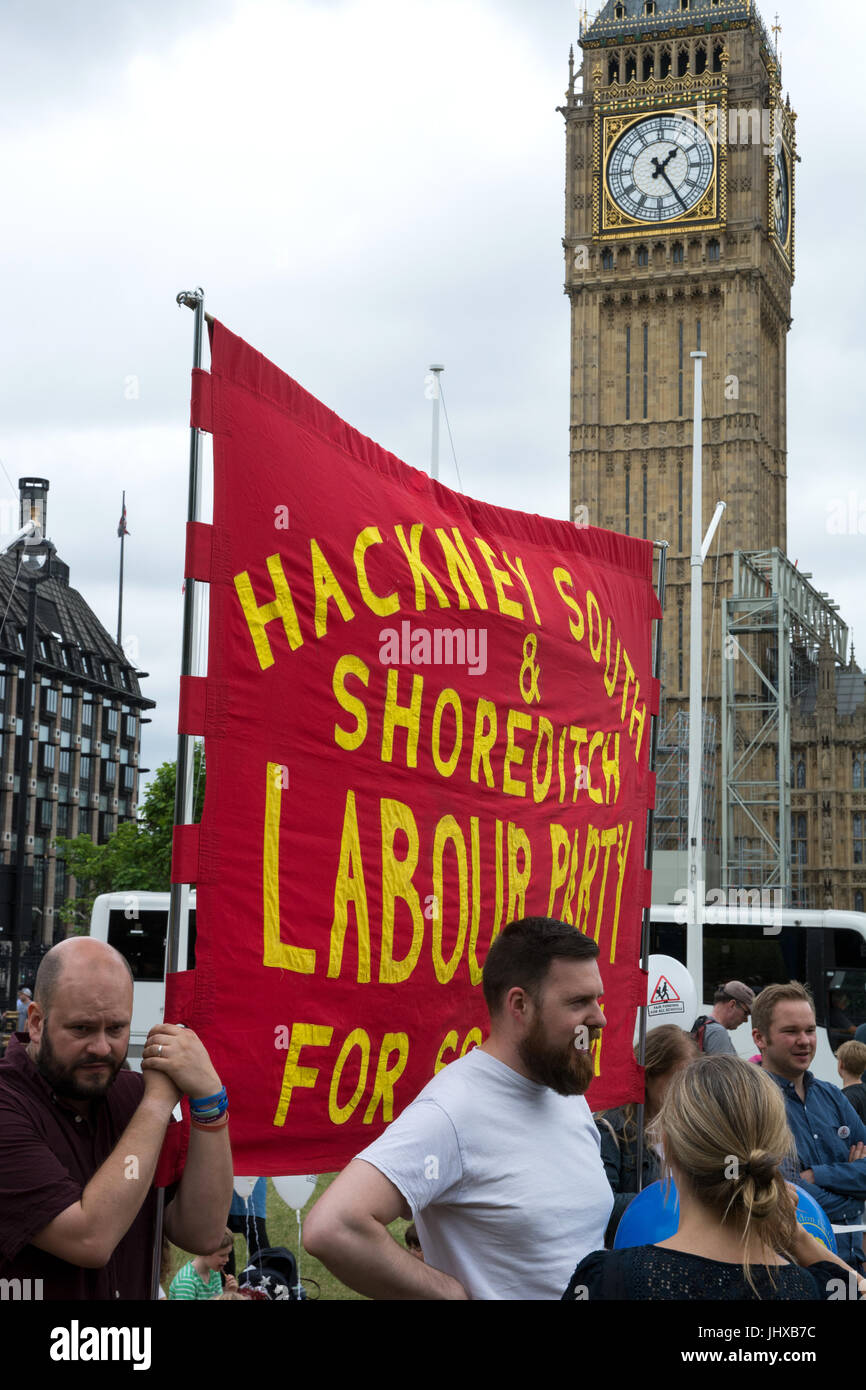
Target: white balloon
296, 1192
671, 994
244, 1187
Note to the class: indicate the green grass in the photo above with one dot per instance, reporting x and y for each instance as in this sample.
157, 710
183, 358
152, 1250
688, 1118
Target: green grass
283, 1230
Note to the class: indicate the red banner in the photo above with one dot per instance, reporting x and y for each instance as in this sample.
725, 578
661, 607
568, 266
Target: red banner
423, 717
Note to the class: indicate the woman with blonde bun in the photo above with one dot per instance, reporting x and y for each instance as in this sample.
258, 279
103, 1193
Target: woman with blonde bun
724, 1132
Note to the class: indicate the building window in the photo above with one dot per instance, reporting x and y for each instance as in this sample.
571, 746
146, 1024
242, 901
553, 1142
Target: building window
642, 255
613, 71
644, 501
717, 58
49, 697
858, 901
648, 67
649, 7
630, 68
129, 778
680, 374
645, 371
701, 59
680, 514
86, 713
699, 349
678, 253
665, 67
607, 260
64, 762
49, 755
66, 707
801, 775
715, 250
799, 844
627, 501
628, 374
109, 773
683, 61
858, 839
680, 643
857, 778
620, 11
112, 720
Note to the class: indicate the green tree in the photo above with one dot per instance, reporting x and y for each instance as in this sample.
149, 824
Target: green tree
136, 856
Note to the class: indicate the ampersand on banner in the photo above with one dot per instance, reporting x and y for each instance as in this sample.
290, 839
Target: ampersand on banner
529, 670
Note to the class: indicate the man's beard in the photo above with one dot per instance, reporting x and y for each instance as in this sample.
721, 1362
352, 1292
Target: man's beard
72, 1082
568, 1073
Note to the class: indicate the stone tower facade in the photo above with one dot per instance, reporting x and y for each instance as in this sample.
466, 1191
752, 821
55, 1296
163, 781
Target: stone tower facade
680, 237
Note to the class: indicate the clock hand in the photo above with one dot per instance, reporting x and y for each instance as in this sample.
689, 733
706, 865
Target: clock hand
673, 190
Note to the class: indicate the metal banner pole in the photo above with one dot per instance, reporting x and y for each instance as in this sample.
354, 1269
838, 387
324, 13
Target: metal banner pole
662, 547
183, 788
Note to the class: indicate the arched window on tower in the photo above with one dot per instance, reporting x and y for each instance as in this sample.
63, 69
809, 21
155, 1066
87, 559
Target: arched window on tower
665, 63
619, 12
649, 65
683, 60
607, 260
800, 844
678, 254
630, 67
858, 901
858, 839
857, 779
613, 71
715, 250
801, 775
701, 58
649, 7
642, 255
718, 49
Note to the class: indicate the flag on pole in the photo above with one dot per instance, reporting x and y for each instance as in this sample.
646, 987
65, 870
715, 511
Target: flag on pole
121, 525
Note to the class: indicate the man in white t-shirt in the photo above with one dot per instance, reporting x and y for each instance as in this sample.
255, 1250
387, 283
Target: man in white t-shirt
497, 1160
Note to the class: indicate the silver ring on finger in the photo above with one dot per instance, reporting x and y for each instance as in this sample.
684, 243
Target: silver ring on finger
159, 1050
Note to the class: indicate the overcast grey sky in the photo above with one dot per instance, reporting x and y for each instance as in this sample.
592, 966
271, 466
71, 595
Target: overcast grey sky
362, 187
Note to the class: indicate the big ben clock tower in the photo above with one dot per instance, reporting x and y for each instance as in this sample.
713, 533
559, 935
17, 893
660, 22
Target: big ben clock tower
680, 237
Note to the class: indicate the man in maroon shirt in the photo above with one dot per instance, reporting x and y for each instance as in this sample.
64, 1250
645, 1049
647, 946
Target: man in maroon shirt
80, 1137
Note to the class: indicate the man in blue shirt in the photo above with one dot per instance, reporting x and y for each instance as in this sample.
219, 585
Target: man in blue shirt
828, 1133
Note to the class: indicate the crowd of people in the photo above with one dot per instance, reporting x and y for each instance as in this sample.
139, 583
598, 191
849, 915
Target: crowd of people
513, 1188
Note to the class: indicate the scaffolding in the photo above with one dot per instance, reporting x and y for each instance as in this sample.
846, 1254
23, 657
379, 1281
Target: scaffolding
672, 782
772, 627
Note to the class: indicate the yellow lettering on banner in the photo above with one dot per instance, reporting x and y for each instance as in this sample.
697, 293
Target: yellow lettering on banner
475, 880
559, 843
518, 569
610, 768
473, 1038
448, 829
387, 1077
407, 717
350, 888
446, 766
501, 580
277, 953
595, 1050
594, 793
449, 1044
593, 620
627, 680
339, 1114
621, 857
327, 589
350, 666
397, 886
578, 736
639, 717
540, 789
420, 573
608, 840
461, 566
259, 615
484, 740
517, 719
567, 914
518, 881
498, 889
377, 603
303, 1035
610, 685
590, 864
561, 579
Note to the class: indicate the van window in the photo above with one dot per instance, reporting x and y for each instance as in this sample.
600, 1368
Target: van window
141, 941
737, 952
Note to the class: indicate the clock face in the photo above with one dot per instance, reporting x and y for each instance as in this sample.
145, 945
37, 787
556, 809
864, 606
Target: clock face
781, 196
661, 167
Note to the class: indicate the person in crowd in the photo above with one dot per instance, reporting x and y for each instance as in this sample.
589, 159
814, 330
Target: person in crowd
839, 1026
667, 1050
80, 1136
851, 1065
23, 1002
200, 1278
732, 1004
247, 1217
413, 1244
497, 1160
724, 1134
829, 1136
